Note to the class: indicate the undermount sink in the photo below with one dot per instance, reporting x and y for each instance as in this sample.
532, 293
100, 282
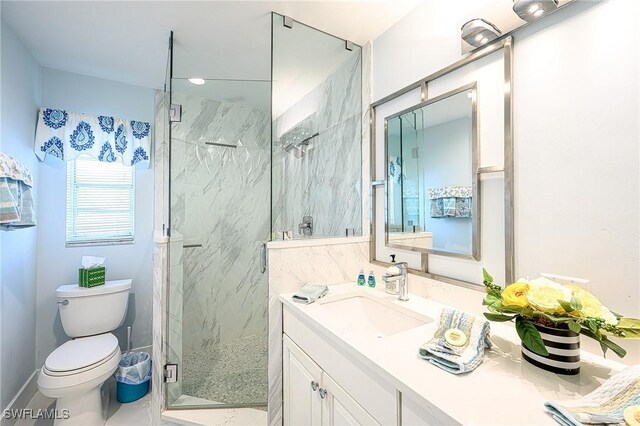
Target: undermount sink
374, 316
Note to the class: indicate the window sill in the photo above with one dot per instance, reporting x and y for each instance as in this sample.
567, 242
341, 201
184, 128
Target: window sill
99, 243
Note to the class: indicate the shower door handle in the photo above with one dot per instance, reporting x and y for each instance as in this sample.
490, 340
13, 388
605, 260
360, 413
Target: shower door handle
263, 257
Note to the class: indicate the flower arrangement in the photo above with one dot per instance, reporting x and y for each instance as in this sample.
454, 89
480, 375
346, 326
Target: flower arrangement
551, 304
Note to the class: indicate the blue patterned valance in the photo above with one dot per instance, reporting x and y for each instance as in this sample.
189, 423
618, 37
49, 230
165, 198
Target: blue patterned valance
66, 135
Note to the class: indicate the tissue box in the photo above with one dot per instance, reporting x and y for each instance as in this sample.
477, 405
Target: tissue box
91, 277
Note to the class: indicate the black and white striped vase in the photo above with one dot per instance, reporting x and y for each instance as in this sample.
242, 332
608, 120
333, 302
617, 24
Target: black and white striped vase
563, 346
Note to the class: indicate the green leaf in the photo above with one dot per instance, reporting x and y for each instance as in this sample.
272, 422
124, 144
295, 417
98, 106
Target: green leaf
566, 306
574, 326
488, 279
630, 326
498, 317
575, 303
492, 300
593, 327
598, 337
530, 336
606, 343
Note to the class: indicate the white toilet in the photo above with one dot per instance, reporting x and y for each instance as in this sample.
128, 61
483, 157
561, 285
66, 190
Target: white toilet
75, 372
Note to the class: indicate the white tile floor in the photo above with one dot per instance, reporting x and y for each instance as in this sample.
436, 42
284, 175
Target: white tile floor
138, 413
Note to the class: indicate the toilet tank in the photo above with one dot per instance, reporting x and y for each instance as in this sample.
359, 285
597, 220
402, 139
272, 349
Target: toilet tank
96, 310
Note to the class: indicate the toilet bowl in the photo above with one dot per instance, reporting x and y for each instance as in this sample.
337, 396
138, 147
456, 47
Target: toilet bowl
75, 372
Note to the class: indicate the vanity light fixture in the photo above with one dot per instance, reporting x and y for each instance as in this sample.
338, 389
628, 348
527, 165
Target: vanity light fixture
478, 32
196, 81
530, 10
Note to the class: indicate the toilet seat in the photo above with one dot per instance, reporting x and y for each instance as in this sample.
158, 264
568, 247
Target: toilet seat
81, 354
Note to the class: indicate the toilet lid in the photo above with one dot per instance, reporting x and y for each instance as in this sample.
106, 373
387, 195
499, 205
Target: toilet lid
81, 352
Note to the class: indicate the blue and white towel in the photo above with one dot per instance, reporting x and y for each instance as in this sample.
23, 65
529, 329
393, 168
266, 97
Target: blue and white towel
66, 135
16, 201
457, 359
604, 405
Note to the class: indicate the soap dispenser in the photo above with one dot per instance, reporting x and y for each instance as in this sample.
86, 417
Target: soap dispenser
371, 280
361, 279
391, 287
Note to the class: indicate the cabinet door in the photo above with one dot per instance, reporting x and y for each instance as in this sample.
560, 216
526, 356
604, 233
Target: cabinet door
302, 404
338, 408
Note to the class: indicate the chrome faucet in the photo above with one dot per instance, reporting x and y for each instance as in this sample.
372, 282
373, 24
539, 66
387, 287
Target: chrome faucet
402, 277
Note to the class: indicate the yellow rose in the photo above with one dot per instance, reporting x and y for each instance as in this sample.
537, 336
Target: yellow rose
544, 295
516, 295
591, 306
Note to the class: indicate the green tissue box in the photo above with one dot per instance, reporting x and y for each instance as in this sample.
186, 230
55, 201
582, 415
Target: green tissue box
91, 277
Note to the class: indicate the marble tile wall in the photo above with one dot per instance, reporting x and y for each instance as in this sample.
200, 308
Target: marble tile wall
220, 200
325, 180
291, 265
160, 252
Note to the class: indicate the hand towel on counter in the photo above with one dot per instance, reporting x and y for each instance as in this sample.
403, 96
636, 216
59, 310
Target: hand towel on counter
310, 293
457, 359
604, 405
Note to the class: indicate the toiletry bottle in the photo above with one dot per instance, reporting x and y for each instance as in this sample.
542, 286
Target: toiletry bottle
361, 279
371, 281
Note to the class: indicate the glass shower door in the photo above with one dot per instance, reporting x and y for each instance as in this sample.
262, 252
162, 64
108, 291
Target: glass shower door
220, 217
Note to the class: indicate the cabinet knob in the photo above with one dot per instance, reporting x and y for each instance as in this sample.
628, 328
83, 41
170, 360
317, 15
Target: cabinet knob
315, 385
323, 393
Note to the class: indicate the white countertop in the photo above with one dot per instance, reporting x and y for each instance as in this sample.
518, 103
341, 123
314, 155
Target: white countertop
504, 389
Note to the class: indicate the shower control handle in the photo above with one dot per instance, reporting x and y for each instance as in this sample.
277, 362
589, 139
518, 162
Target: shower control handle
314, 385
323, 393
64, 302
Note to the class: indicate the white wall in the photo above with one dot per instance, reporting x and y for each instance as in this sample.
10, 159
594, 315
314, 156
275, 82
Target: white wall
58, 265
576, 117
20, 87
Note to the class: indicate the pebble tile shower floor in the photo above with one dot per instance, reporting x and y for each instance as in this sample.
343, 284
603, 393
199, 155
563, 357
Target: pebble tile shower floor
231, 373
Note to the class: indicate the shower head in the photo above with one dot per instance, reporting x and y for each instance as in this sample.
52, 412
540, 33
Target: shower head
530, 10
478, 32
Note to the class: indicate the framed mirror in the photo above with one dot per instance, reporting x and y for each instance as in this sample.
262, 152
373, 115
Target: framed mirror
431, 158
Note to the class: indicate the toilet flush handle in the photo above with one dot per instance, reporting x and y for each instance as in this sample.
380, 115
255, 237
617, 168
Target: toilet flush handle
64, 302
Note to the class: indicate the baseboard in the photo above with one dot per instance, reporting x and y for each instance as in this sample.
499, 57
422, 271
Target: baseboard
22, 398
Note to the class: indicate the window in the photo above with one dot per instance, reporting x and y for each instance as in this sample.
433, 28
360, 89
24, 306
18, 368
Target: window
100, 202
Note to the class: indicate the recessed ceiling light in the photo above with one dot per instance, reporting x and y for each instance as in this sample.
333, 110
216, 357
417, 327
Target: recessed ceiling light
197, 81
534, 7
538, 13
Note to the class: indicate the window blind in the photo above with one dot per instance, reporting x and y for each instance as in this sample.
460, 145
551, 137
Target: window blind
100, 202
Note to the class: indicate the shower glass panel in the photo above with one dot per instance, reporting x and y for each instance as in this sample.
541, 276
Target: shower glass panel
220, 210
316, 133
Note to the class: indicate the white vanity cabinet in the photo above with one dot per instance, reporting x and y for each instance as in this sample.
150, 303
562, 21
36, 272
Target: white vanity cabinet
312, 397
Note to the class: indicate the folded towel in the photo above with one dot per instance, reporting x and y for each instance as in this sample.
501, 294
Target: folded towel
457, 359
310, 293
604, 405
16, 205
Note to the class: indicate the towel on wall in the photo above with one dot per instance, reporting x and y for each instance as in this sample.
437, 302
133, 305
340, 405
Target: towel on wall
17, 209
450, 201
606, 404
457, 359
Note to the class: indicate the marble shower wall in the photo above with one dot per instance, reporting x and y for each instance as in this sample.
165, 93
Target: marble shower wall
220, 200
324, 179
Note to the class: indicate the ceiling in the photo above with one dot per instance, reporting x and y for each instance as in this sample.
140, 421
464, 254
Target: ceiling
127, 40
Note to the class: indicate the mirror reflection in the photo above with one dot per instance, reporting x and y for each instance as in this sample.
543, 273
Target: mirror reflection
432, 188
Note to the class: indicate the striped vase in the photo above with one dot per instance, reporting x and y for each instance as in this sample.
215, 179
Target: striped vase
563, 346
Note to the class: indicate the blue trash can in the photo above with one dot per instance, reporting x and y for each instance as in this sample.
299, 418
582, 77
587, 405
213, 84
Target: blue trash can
132, 376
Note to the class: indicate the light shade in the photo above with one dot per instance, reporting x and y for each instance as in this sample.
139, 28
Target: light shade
530, 10
478, 32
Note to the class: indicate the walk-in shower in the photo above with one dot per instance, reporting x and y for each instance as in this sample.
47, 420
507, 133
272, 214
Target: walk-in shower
247, 160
